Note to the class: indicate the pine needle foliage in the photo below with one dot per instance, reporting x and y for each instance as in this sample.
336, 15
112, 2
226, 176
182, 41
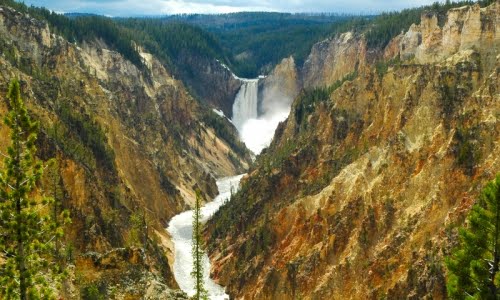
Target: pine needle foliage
198, 252
27, 231
473, 267
60, 215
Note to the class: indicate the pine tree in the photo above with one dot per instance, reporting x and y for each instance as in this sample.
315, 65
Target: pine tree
197, 251
473, 267
59, 215
27, 231
139, 227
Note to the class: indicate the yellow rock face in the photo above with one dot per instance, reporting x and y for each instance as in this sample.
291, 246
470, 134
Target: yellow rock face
466, 28
332, 59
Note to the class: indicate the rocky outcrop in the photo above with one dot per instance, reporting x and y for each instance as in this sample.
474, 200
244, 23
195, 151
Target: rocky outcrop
224, 91
131, 144
210, 81
363, 187
465, 28
332, 59
468, 27
110, 281
408, 43
278, 89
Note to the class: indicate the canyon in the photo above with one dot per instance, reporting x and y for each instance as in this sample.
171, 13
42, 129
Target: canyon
359, 163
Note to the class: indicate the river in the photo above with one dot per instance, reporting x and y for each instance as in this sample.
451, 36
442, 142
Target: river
181, 228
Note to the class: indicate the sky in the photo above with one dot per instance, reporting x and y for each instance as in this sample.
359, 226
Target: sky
162, 7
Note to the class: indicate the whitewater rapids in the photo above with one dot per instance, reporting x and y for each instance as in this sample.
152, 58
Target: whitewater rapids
181, 229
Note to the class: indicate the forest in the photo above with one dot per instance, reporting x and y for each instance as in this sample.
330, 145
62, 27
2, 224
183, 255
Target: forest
256, 41
249, 43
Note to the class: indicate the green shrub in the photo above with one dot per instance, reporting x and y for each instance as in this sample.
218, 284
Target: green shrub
92, 292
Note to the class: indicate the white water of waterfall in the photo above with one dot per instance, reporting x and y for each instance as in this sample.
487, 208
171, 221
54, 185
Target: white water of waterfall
245, 104
181, 230
257, 131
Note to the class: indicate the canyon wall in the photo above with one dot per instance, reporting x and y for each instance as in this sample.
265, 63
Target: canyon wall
363, 187
130, 143
280, 87
334, 58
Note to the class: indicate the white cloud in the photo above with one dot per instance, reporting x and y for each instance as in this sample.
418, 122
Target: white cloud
156, 7
179, 6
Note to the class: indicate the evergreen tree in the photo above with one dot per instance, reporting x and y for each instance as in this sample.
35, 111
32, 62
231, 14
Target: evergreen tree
27, 232
197, 251
474, 265
60, 216
139, 227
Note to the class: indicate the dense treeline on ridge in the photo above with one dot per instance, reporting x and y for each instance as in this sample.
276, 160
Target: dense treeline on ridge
256, 41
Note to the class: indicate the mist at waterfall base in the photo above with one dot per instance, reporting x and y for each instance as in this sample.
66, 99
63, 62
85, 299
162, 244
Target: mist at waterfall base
258, 133
257, 130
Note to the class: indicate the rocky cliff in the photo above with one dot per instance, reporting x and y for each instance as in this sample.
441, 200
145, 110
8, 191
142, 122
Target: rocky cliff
333, 58
279, 88
210, 81
361, 191
131, 144
468, 27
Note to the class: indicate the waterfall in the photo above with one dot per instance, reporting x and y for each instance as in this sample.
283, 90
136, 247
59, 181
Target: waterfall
256, 128
245, 104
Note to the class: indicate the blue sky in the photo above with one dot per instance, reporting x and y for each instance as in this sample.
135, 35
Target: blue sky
159, 7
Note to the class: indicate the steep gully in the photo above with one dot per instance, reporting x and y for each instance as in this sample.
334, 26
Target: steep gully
256, 127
